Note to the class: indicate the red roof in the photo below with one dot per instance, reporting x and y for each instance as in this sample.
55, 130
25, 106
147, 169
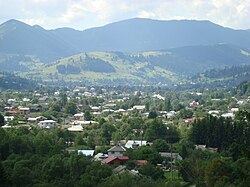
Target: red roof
112, 158
109, 159
123, 157
141, 162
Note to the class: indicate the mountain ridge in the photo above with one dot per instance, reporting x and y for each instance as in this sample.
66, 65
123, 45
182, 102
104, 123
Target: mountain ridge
133, 35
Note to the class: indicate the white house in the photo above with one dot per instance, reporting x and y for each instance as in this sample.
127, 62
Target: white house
116, 151
228, 115
139, 107
47, 124
8, 118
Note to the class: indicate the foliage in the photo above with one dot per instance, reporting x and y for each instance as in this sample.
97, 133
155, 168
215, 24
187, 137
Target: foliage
220, 132
186, 113
71, 108
151, 171
1, 120
152, 115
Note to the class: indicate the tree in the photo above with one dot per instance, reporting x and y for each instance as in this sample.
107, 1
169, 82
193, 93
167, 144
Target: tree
216, 171
1, 120
156, 130
168, 105
3, 177
160, 145
64, 99
56, 107
87, 115
186, 113
152, 115
151, 171
71, 108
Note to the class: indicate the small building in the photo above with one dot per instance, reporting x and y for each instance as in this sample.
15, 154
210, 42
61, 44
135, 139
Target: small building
117, 150
8, 118
79, 116
175, 156
47, 124
228, 115
86, 152
75, 128
234, 110
24, 110
139, 107
205, 148
135, 143
36, 119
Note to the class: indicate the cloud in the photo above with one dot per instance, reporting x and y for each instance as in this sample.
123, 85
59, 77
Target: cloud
81, 14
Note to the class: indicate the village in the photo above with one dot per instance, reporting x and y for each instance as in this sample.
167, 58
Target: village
123, 128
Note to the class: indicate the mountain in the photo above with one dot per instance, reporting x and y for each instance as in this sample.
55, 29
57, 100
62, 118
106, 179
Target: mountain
166, 66
150, 51
140, 34
133, 35
21, 39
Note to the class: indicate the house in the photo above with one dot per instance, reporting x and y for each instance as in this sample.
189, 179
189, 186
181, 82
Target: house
234, 110
47, 124
117, 150
228, 115
135, 143
78, 122
115, 160
79, 116
24, 110
139, 107
36, 119
8, 118
175, 156
109, 105
205, 148
86, 152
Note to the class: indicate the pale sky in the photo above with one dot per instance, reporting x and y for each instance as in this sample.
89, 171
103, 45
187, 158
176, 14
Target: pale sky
83, 14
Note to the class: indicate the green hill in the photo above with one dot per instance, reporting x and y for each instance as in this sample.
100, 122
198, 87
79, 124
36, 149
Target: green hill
101, 68
170, 66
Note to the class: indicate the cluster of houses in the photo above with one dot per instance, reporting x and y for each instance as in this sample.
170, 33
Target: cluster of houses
116, 155
26, 107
